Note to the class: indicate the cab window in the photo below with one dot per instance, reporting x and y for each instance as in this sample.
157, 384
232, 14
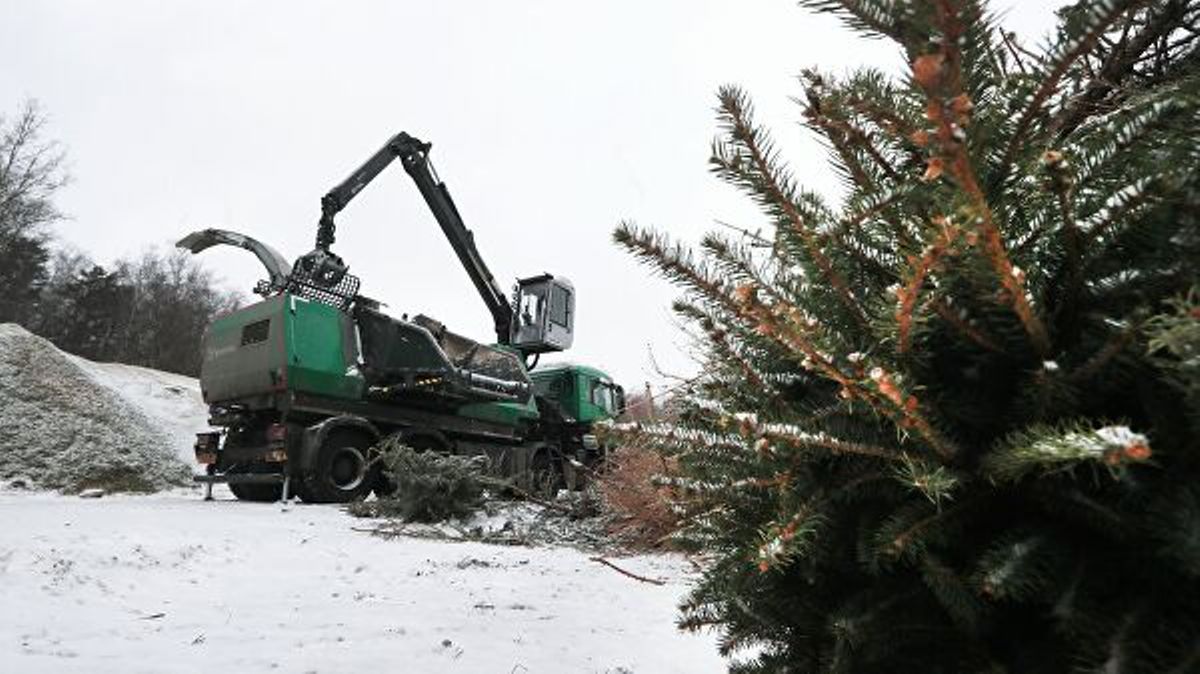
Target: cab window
560, 306
602, 396
532, 305
557, 388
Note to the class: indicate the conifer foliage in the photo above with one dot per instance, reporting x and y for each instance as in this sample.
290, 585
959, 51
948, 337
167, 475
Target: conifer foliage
951, 423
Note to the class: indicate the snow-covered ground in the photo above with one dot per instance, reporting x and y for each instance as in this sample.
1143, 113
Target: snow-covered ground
169, 583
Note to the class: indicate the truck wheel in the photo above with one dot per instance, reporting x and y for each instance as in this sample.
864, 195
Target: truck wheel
546, 474
259, 493
343, 470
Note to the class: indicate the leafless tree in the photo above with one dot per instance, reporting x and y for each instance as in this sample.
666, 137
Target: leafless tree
31, 171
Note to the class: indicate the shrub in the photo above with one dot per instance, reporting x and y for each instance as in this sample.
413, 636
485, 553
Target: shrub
632, 489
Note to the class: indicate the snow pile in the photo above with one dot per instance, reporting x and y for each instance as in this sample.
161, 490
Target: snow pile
61, 429
171, 401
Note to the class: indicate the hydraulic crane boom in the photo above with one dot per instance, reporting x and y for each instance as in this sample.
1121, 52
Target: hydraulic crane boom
414, 156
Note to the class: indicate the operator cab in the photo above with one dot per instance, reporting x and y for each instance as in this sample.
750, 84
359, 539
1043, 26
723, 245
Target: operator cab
545, 314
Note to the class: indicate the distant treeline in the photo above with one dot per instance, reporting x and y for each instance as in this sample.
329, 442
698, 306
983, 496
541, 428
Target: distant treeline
148, 310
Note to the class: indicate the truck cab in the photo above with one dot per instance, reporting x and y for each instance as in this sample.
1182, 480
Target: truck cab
583, 394
575, 397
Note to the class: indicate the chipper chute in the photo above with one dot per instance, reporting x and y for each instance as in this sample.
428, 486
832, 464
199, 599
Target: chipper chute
277, 266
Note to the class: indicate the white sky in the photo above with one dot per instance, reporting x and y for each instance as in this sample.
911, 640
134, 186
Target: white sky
551, 121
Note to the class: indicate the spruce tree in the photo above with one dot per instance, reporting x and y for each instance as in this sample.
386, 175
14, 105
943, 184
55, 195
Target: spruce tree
951, 423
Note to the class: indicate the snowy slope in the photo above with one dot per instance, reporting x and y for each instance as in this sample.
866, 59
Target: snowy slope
61, 428
169, 583
171, 401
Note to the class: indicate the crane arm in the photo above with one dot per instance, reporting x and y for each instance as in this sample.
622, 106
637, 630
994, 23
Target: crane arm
414, 156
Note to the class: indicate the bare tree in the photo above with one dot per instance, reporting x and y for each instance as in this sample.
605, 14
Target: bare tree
171, 300
31, 171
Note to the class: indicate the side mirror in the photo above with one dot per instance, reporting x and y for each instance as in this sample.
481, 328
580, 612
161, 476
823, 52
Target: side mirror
544, 317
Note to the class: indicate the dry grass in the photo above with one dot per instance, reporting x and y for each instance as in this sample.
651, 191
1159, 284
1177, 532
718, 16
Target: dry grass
642, 509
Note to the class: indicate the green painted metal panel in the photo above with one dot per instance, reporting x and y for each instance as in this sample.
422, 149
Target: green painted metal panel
320, 356
244, 352
509, 414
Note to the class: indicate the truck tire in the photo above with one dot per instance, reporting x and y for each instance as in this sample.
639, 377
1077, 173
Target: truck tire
258, 493
343, 471
546, 473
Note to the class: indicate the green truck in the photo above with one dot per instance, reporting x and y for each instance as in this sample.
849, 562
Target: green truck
305, 383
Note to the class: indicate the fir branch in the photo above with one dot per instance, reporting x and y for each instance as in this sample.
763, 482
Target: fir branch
1118, 66
796, 438
1018, 565
1042, 448
872, 16
843, 136
902, 533
1062, 184
940, 76
970, 331
1113, 137
786, 324
891, 122
934, 481
789, 326
1120, 207
1010, 42
672, 261
864, 142
919, 268
1105, 14
737, 263
873, 208
719, 339
738, 115
1111, 349
783, 541
951, 591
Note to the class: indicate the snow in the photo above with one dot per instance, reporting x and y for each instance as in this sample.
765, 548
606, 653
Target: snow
1121, 436
60, 429
170, 583
171, 401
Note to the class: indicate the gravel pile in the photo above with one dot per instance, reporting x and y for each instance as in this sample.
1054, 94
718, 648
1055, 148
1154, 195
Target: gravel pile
60, 429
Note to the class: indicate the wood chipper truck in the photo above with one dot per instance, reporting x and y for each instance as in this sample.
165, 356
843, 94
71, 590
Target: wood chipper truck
304, 383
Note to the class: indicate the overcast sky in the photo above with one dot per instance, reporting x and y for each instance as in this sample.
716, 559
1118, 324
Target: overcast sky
551, 121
